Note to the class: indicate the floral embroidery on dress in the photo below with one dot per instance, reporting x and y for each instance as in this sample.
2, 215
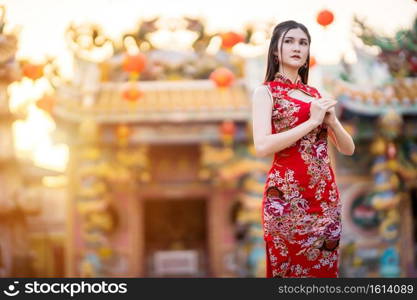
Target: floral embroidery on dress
313, 149
301, 205
284, 115
283, 205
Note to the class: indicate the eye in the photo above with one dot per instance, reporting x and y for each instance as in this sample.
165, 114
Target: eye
286, 41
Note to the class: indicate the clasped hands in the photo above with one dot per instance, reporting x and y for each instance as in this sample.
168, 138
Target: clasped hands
330, 117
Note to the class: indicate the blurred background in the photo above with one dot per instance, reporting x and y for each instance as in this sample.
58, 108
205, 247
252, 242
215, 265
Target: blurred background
125, 133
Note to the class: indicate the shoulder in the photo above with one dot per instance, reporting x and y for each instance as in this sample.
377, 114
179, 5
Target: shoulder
262, 89
261, 93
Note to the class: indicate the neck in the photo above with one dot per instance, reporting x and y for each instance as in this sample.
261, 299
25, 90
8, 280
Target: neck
290, 73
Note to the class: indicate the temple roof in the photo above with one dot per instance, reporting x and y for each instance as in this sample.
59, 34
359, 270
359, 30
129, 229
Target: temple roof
400, 95
162, 101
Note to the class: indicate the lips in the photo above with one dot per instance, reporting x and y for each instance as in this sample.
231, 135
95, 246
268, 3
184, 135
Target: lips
296, 56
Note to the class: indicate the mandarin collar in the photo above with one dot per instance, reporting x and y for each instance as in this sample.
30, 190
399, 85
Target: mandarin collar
283, 78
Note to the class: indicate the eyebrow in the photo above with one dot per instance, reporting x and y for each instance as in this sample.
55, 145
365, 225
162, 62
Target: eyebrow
290, 37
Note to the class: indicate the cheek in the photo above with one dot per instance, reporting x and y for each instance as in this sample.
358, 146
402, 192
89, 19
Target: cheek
305, 50
286, 50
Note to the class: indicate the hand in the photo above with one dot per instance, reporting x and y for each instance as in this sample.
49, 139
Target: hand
330, 117
319, 108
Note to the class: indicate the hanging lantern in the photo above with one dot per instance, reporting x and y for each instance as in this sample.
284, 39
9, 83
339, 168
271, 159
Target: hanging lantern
228, 127
313, 62
32, 71
134, 63
131, 93
227, 131
229, 39
123, 132
325, 17
222, 77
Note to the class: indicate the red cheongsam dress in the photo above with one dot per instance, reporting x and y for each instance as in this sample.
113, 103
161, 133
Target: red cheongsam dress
301, 209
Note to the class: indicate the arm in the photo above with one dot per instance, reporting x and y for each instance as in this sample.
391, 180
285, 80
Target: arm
341, 138
265, 142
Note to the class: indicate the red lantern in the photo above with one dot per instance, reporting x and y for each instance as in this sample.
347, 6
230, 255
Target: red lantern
134, 63
132, 93
313, 61
123, 132
325, 17
32, 71
222, 77
227, 132
229, 39
228, 128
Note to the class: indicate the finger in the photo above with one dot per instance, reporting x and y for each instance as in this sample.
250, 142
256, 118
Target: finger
323, 100
330, 106
332, 101
328, 100
326, 104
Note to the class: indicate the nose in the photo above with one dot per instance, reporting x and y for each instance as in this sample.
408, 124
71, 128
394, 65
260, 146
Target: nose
296, 47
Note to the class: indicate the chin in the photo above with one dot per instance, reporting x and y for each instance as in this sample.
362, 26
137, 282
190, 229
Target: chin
294, 65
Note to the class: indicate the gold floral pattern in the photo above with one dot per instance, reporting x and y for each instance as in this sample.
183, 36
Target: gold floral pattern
313, 149
301, 206
284, 115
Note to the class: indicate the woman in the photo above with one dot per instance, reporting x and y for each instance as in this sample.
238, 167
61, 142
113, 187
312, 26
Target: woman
301, 205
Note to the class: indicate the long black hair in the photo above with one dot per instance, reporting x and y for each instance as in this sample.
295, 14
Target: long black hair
281, 30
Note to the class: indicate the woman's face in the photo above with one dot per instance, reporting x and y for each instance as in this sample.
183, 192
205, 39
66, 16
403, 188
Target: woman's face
295, 43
